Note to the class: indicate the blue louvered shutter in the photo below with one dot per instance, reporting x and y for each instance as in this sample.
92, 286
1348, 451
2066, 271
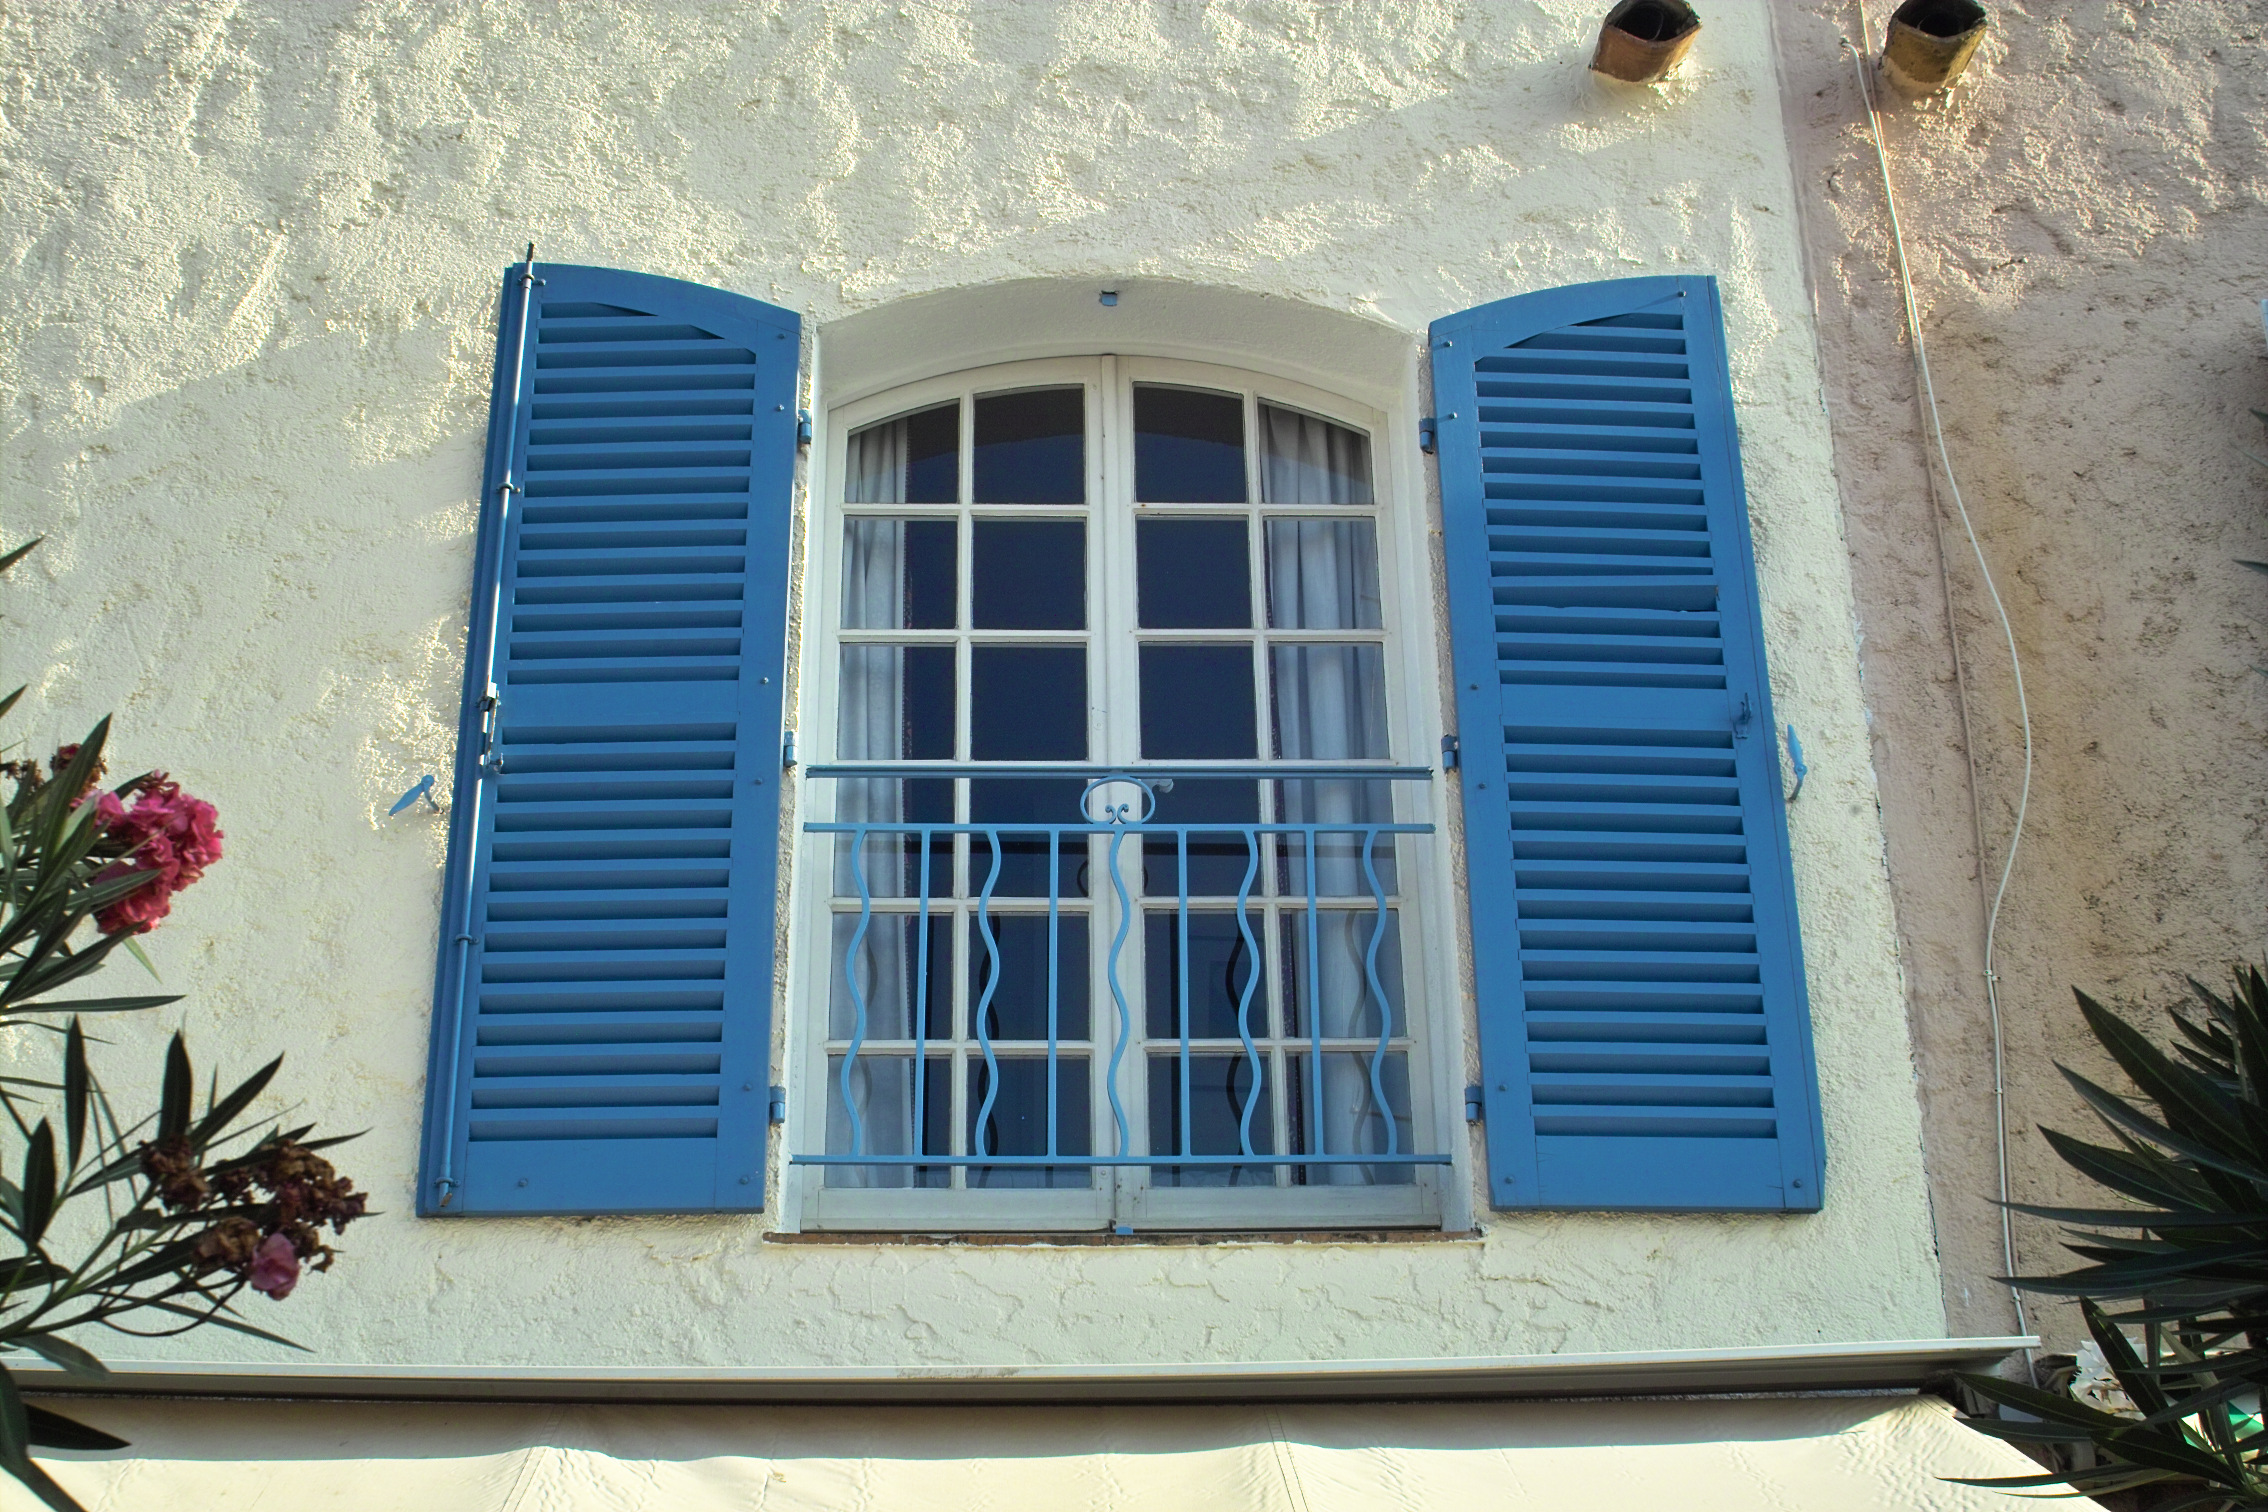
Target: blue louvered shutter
602, 1016
1645, 1039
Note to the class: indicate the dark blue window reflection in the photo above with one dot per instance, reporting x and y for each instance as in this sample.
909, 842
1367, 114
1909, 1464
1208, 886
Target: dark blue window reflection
1188, 446
933, 456
1018, 1010
1218, 860
1030, 575
1222, 964
1012, 801
1219, 1087
1031, 447
1197, 703
1192, 574
1029, 703
928, 707
932, 564
1017, 1121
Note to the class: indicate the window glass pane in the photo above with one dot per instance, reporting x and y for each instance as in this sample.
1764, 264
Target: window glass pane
882, 1090
1219, 1087
913, 459
1188, 446
1345, 808
1023, 856
1018, 1010
1308, 460
1323, 575
1330, 702
1016, 1123
1029, 575
899, 574
1218, 860
1031, 447
1221, 967
1028, 703
1342, 1117
895, 703
1341, 982
889, 969
1192, 574
1197, 702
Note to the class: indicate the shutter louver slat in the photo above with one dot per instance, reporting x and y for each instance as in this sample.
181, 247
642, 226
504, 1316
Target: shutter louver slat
611, 1041
1644, 1033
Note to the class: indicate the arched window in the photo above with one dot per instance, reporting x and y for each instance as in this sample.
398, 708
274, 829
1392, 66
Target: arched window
1023, 580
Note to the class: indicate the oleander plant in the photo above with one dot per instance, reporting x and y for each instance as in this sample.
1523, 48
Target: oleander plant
145, 1225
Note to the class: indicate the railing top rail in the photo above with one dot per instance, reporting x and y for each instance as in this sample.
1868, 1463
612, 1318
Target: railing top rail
1257, 770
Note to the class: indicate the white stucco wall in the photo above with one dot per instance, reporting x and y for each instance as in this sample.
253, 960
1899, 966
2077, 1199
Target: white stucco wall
251, 253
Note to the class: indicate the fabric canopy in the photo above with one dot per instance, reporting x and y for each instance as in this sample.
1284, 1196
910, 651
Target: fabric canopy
1836, 1454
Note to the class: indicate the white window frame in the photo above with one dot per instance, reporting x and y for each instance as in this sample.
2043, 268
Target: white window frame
1122, 1196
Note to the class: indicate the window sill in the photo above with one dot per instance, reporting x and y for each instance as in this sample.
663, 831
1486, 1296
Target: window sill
1154, 1238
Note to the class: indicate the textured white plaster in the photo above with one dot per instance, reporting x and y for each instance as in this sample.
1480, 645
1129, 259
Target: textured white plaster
252, 252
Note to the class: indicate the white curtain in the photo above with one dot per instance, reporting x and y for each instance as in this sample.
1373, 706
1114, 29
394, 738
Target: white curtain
1330, 705
870, 726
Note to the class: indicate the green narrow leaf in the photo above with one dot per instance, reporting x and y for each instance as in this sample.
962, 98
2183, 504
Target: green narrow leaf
75, 1092
96, 1005
52, 1430
224, 1111
134, 949
180, 1086
57, 1350
10, 701
15, 1449
227, 1320
39, 1182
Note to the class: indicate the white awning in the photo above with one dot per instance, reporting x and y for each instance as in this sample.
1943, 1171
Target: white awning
1834, 1454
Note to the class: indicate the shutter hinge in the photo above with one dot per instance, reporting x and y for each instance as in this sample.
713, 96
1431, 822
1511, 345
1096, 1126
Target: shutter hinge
787, 752
1742, 720
490, 759
1428, 435
803, 427
1452, 754
1475, 1105
777, 1107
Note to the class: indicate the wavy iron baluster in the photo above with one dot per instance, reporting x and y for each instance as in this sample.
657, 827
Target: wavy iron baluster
1251, 985
1378, 991
984, 1003
1118, 993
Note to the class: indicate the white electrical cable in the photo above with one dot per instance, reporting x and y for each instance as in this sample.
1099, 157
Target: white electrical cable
2016, 667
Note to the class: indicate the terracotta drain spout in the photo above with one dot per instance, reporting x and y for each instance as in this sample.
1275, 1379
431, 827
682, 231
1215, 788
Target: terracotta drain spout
1642, 40
1931, 42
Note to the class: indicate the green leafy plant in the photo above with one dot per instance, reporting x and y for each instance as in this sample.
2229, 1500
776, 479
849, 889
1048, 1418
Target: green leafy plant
2186, 1266
151, 1226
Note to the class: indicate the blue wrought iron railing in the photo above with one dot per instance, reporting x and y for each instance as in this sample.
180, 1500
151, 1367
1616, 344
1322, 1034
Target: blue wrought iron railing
1116, 804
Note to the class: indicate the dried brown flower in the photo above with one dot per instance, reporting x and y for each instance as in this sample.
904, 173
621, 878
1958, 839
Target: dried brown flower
171, 1166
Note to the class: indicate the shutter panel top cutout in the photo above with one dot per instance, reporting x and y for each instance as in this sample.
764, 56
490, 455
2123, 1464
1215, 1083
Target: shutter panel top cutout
1645, 1036
602, 1024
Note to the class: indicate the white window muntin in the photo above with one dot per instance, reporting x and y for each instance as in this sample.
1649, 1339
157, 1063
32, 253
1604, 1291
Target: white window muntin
1125, 1195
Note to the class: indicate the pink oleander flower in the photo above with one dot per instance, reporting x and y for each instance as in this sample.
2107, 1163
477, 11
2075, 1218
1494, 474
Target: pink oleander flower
275, 1266
167, 832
